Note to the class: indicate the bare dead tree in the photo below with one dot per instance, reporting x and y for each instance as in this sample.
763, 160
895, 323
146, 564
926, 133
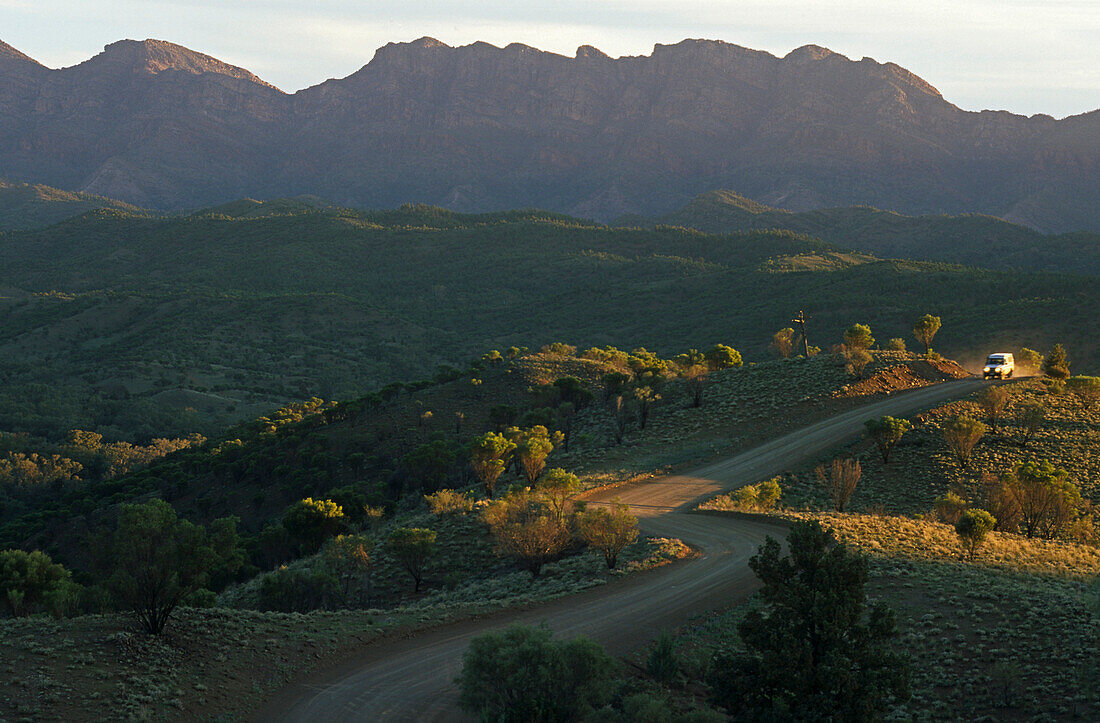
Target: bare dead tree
840, 479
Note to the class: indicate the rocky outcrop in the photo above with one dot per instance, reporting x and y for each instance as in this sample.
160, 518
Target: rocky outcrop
479, 127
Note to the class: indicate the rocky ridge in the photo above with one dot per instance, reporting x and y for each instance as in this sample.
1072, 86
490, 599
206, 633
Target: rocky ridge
480, 127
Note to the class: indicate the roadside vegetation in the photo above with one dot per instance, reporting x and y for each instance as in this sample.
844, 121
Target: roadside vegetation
977, 520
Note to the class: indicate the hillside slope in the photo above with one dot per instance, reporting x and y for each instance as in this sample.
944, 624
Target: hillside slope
159, 326
23, 206
970, 239
480, 127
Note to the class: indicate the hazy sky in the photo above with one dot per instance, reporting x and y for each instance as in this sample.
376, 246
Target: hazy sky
1027, 56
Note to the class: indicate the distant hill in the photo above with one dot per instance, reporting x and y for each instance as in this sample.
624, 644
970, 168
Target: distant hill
106, 317
23, 206
970, 239
478, 127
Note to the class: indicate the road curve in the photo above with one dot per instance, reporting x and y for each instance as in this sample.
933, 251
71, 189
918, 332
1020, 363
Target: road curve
411, 679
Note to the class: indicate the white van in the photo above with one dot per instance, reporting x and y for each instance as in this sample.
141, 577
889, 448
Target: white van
999, 365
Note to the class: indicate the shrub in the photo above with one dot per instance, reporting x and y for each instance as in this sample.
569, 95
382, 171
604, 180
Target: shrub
1087, 388
993, 401
962, 434
895, 344
972, 528
761, 496
449, 502
855, 360
663, 663
1029, 360
522, 674
887, 432
949, 508
783, 342
31, 581
560, 348
1032, 417
721, 356
295, 590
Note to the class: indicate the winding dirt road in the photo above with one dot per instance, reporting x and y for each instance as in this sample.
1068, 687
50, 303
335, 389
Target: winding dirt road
411, 679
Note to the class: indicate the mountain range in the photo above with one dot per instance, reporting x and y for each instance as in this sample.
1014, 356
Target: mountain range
480, 127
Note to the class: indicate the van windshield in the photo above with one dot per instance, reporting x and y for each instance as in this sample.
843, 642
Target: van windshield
995, 360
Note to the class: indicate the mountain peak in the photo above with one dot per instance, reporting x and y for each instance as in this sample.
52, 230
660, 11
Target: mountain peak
156, 56
810, 53
8, 54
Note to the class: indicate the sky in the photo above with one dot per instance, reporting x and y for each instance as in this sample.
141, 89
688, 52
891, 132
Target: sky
1025, 56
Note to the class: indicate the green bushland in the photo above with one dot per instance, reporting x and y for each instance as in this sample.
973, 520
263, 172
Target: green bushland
139, 326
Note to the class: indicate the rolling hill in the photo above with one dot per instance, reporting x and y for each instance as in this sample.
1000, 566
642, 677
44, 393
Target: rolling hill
140, 326
971, 239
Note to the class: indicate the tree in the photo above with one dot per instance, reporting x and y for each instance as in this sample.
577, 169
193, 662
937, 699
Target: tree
310, 522
1047, 500
348, 556
695, 377
858, 336
429, 464
887, 432
962, 434
1031, 418
556, 488
533, 446
645, 398
721, 356
29, 580
809, 652
1000, 500
1056, 364
620, 412
526, 530
972, 528
855, 360
925, 330
156, 561
522, 674
608, 531
783, 342
489, 456
1087, 388
840, 479
993, 401
412, 547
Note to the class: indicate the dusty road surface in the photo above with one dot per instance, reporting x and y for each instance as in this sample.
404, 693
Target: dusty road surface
411, 679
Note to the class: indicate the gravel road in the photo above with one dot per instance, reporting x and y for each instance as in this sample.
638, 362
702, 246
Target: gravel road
411, 678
